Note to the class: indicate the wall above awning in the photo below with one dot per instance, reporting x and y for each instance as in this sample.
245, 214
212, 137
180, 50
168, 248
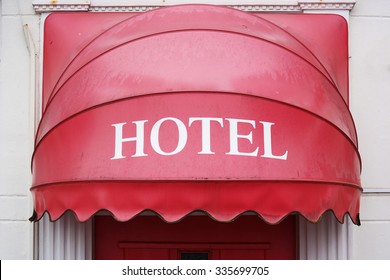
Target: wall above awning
196, 108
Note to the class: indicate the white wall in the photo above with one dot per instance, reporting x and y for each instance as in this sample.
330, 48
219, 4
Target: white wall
371, 239
370, 87
16, 129
370, 100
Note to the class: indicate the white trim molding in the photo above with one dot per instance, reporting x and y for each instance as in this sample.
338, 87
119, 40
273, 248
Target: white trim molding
376, 190
327, 5
42, 6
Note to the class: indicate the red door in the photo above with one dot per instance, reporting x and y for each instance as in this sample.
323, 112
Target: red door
194, 237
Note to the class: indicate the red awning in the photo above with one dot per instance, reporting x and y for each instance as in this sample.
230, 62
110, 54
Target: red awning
196, 108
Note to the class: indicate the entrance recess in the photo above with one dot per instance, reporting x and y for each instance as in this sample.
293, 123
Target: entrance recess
194, 237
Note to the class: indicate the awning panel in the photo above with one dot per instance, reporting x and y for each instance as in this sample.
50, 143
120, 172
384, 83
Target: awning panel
223, 201
196, 136
196, 108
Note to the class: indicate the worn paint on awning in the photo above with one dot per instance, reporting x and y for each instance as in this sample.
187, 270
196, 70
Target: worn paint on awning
196, 108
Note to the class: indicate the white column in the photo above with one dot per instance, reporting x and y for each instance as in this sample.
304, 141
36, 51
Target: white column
64, 239
325, 240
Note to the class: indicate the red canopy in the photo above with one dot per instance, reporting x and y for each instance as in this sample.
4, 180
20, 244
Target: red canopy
196, 108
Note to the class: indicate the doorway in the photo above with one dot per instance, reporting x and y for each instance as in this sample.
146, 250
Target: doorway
194, 237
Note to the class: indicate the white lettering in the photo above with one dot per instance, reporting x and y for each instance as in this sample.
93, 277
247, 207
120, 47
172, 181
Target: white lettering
234, 136
139, 139
268, 142
155, 133
206, 131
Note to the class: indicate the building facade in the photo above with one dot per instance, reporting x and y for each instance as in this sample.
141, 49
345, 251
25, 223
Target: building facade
30, 31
